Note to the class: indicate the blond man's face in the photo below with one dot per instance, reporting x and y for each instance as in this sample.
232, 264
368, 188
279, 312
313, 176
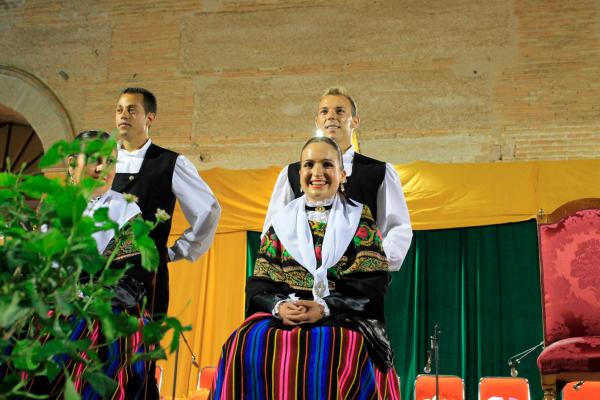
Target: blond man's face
334, 118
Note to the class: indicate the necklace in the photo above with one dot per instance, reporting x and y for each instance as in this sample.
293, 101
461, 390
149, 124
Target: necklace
318, 208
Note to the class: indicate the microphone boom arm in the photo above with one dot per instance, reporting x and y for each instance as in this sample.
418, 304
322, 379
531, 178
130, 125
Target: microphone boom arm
515, 360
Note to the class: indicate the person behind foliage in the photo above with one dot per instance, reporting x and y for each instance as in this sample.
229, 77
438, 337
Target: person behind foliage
130, 292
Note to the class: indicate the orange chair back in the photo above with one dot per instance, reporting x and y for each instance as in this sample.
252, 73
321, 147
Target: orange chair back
587, 391
503, 388
451, 387
158, 371
202, 394
205, 377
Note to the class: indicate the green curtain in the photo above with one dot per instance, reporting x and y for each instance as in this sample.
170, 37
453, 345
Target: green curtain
252, 247
481, 285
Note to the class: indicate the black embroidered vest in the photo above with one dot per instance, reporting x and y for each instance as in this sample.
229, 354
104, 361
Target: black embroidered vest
152, 186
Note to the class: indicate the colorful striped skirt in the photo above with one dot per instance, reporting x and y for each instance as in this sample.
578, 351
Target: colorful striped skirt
321, 362
130, 376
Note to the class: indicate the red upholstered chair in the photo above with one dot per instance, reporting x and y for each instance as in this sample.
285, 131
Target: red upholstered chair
569, 242
581, 391
451, 387
505, 388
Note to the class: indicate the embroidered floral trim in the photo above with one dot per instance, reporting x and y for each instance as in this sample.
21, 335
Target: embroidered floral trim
126, 248
365, 254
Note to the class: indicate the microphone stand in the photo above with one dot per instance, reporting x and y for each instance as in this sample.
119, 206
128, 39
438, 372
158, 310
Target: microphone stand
516, 359
434, 351
435, 347
578, 385
194, 362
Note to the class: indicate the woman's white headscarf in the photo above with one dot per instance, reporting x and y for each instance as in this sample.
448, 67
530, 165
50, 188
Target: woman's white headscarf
292, 229
119, 210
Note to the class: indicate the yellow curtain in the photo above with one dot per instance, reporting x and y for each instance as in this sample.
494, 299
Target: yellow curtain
209, 294
438, 195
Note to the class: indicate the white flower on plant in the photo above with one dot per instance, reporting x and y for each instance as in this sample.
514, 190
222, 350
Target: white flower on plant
130, 198
161, 215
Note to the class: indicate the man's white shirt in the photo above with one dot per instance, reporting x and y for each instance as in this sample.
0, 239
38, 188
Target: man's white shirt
393, 218
197, 201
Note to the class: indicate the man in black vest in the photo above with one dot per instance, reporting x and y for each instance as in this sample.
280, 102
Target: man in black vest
159, 177
369, 181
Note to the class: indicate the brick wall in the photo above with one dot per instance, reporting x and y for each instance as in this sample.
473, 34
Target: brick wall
238, 81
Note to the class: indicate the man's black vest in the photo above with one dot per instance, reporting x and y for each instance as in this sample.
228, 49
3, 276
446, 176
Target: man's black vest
362, 186
152, 186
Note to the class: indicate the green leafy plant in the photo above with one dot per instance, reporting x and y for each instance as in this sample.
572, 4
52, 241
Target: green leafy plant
46, 248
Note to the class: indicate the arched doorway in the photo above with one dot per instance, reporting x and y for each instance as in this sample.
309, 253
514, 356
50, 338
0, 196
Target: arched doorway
20, 146
35, 103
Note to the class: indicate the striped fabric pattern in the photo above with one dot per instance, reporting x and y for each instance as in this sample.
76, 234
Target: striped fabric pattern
322, 362
117, 357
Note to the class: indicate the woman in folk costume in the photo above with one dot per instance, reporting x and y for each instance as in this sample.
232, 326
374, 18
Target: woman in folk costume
129, 292
315, 299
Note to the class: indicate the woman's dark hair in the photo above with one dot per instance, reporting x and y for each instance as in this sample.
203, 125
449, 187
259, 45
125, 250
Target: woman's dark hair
332, 143
92, 134
329, 141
